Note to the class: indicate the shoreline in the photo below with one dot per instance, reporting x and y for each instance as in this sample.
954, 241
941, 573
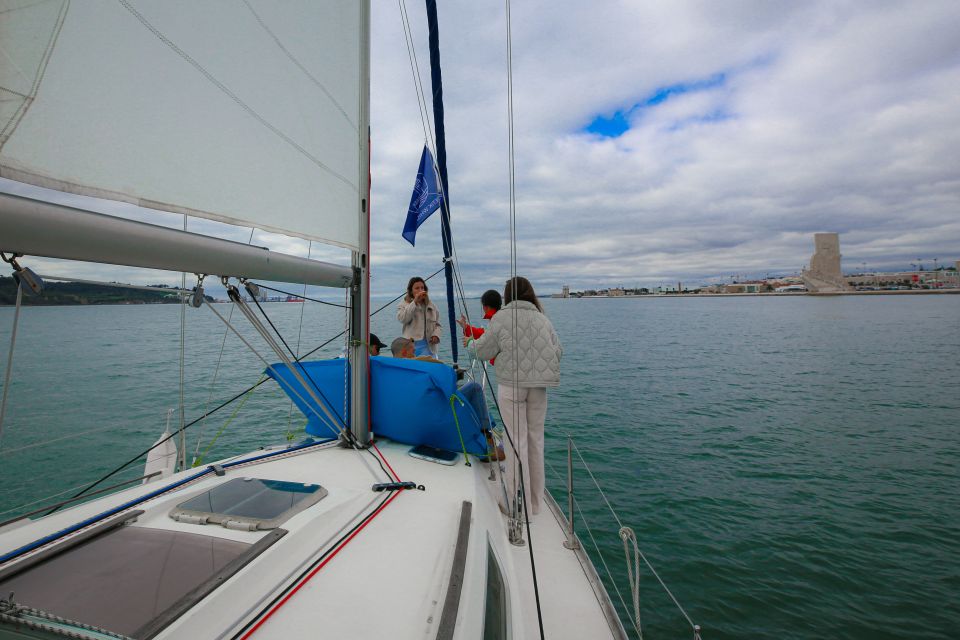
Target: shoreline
773, 294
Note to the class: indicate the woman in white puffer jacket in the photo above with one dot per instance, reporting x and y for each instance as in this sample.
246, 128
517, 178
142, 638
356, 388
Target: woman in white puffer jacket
527, 352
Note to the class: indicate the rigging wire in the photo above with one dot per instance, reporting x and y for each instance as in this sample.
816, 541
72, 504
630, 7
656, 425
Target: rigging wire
13, 342
23, 516
158, 443
225, 403
304, 296
342, 426
328, 419
457, 275
513, 281
622, 529
183, 332
430, 141
425, 122
216, 372
299, 336
417, 82
595, 545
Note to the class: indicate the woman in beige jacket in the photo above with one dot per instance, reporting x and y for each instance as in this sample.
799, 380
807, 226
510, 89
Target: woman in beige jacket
420, 318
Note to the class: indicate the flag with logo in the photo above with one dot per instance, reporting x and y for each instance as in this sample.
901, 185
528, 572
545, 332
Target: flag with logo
426, 197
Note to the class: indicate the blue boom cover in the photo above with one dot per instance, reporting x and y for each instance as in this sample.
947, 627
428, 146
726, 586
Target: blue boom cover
409, 401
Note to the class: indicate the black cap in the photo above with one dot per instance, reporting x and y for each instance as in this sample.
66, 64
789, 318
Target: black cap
375, 341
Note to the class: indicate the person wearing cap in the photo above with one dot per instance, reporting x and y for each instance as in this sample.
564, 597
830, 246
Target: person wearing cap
375, 345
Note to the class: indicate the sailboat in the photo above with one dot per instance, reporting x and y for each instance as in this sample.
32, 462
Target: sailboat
365, 529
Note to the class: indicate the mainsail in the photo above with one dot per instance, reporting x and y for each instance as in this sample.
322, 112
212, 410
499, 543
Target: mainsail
248, 112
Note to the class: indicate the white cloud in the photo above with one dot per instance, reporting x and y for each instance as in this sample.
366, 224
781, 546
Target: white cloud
829, 117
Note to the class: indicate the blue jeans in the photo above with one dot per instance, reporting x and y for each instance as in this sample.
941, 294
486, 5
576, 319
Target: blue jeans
473, 393
422, 348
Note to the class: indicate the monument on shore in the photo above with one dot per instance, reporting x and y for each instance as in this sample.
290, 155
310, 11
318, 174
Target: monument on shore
824, 275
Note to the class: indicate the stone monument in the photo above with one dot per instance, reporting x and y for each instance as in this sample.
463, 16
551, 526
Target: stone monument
824, 275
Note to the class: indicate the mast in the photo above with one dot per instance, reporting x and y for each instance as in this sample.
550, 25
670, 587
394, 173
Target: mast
437, 84
359, 352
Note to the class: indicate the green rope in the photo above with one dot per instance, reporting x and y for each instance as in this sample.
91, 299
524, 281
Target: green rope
246, 396
456, 421
293, 434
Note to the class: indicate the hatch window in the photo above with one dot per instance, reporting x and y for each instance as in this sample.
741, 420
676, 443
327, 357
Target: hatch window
249, 503
126, 580
495, 616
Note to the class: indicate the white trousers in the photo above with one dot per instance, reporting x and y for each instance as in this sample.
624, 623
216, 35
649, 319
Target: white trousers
524, 411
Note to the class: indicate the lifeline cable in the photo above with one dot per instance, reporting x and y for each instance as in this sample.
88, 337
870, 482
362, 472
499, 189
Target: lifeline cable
149, 496
158, 443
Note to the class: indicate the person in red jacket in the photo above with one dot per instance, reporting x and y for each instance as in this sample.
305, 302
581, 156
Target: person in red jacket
490, 302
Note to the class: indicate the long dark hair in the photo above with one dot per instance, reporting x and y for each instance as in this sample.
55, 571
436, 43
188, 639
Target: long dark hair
414, 280
524, 291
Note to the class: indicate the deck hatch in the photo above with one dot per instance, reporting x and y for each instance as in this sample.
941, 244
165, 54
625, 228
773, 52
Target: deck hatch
126, 578
249, 503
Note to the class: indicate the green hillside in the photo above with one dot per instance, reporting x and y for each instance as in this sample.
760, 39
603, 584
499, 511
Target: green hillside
62, 293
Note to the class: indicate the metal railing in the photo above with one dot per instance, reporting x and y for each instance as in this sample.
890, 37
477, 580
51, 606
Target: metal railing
625, 534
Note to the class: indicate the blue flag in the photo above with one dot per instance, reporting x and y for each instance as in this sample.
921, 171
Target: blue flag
426, 197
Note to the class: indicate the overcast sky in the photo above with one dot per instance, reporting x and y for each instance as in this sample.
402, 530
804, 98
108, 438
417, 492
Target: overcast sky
658, 142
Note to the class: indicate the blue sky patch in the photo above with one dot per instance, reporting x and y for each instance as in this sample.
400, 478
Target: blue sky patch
616, 125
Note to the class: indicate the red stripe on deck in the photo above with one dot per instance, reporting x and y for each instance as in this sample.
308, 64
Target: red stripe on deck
316, 569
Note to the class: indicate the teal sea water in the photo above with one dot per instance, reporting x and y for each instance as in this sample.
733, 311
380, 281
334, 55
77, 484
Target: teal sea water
791, 466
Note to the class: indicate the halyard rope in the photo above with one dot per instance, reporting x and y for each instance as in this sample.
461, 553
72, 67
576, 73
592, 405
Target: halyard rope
456, 422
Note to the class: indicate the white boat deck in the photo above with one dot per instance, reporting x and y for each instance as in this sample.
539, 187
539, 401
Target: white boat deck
388, 579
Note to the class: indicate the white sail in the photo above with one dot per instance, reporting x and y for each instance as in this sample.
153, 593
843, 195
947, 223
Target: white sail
246, 111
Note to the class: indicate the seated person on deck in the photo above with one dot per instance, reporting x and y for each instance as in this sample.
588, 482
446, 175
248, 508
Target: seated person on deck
404, 348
